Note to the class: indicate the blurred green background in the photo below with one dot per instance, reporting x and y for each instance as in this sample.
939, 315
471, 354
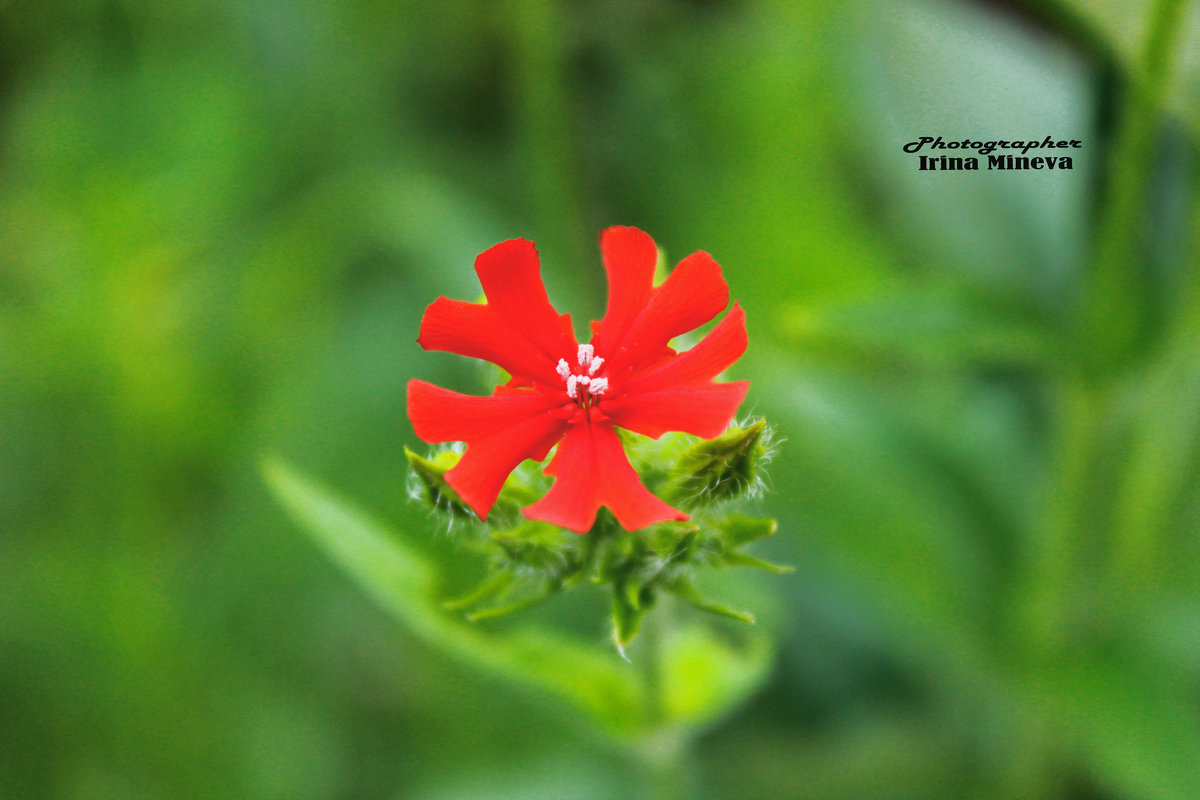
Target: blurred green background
220, 221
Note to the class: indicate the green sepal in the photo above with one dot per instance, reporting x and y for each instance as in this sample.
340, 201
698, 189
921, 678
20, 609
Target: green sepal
736, 559
493, 585
614, 550
672, 542
630, 602
738, 530
538, 546
508, 593
504, 609
532, 563
685, 590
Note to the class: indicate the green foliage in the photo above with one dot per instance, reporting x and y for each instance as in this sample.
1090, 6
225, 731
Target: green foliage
531, 561
222, 221
405, 583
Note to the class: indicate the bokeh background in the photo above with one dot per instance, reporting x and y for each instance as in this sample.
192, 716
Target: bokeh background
220, 221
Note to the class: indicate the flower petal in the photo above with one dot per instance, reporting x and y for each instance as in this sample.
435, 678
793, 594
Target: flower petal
630, 257
723, 345
441, 415
474, 330
480, 473
701, 409
693, 294
592, 470
512, 281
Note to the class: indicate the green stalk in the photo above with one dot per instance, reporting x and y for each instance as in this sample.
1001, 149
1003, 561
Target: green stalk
1165, 440
663, 756
1051, 582
1110, 325
1190, 313
545, 137
1114, 302
666, 767
1117, 302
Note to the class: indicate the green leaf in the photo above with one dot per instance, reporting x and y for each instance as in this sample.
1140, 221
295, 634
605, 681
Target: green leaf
740, 530
512, 606
1160, 462
935, 327
1017, 236
537, 546
885, 522
1133, 725
1124, 27
627, 611
399, 578
405, 583
686, 590
744, 560
494, 584
703, 676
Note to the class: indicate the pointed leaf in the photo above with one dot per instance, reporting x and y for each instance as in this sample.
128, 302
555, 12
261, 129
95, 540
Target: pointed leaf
1135, 727
493, 585
404, 582
627, 613
736, 559
739, 530
687, 591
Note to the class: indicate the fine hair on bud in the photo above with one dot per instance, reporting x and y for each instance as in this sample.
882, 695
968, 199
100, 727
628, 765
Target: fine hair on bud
426, 486
730, 467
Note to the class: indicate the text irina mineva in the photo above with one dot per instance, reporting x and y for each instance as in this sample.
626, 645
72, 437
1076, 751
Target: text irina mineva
994, 161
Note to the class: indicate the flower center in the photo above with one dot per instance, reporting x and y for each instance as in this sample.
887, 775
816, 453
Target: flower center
582, 383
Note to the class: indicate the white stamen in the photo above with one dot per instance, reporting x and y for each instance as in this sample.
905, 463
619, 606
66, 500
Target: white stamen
587, 360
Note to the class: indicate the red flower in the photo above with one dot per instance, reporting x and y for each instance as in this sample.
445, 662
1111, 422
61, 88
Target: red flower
575, 395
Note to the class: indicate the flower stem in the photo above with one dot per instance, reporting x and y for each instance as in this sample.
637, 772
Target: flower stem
665, 766
1052, 583
1114, 304
663, 756
1109, 329
1119, 258
544, 119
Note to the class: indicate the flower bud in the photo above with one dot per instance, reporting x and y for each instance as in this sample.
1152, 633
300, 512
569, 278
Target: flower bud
430, 484
724, 468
